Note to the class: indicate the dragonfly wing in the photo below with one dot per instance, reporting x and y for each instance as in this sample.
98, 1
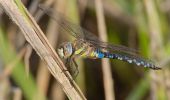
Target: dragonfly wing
63, 22
94, 40
82, 34
114, 48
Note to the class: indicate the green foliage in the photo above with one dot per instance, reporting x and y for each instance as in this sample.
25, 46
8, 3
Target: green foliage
27, 83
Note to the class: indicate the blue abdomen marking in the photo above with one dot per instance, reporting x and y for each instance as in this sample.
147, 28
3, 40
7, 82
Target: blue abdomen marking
100, 54
130, 59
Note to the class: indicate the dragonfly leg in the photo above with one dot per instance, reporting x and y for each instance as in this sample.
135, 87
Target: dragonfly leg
72, 67
67, 62
76, 71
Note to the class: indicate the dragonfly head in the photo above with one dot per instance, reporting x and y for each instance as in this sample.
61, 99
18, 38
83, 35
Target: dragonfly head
65, 50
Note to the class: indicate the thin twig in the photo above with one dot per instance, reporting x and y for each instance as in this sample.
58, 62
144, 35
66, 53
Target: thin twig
107, 76
38, 41
27, 58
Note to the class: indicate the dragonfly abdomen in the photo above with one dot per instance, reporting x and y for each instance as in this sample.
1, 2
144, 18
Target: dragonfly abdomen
129, 59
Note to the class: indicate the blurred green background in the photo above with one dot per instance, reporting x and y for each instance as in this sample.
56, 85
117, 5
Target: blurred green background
139, 24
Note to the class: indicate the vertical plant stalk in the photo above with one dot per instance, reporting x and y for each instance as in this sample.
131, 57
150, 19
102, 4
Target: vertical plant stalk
33, 34
17, 94
157, 78
106, 67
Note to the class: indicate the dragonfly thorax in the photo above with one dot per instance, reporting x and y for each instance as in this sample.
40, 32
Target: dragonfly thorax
65, 50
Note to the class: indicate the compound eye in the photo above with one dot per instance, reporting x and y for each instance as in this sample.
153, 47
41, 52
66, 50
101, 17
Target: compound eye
64, 51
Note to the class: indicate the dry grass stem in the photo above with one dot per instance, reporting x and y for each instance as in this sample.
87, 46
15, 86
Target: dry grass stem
27, 58
52, 36
17, 94
157, 78
106, 67
5, 89
39, 42
43, 75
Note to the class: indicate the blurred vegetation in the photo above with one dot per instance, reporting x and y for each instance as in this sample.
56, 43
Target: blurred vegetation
140, 24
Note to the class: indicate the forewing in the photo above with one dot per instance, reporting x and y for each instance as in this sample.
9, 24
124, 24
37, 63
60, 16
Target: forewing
114, 48
94, 40
80, 33
63, 22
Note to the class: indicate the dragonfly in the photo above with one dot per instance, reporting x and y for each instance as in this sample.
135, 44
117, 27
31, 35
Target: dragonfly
88, 45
